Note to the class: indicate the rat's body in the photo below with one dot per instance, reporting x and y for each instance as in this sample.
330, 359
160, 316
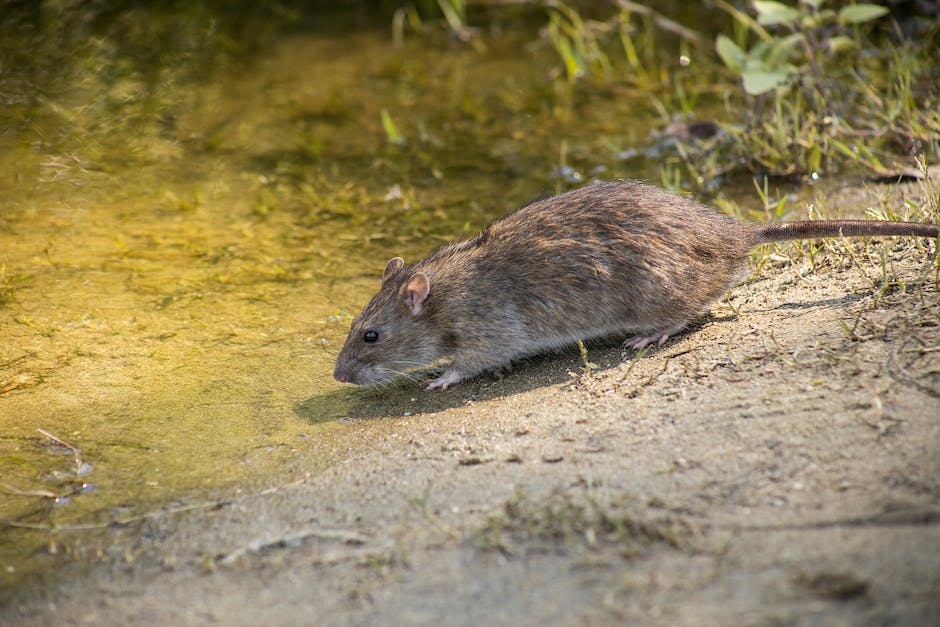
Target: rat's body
609, 258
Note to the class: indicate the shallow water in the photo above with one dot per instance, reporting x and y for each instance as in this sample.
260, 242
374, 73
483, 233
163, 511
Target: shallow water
181, 251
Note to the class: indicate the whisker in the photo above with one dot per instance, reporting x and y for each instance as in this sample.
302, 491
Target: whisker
405, 374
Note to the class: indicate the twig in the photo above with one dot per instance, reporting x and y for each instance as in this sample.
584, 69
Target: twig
349, 537
11, 490
885, 519
663, 22
10, 387
14, 360
39, 374
75, 450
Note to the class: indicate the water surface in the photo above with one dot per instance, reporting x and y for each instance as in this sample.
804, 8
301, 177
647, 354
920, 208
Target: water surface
185, 234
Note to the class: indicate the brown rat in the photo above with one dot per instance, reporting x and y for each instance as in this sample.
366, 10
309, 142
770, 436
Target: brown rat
620, 257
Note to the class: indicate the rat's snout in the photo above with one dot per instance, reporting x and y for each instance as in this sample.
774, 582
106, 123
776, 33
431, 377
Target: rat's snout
341, 373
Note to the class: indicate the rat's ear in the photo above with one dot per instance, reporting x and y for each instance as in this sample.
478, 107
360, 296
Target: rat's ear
414, 292
391, 268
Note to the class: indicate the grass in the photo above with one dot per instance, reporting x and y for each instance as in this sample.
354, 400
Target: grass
919, 202
566, 522
847, 90
873, 117
589, 366
871, 105
901, 295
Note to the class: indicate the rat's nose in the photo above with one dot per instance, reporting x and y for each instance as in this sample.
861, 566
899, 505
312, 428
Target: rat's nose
341, 376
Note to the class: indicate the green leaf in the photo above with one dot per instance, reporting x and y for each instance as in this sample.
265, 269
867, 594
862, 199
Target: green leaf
840, 43
757, 82
813, 3
843, 148
391, 131
746, 20
859, 13
729, 52
770, 12
815, 158
781, 48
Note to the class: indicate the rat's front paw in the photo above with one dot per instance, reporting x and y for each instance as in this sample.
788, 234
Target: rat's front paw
445, 380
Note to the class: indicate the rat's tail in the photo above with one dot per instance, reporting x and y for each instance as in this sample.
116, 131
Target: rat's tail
812, 229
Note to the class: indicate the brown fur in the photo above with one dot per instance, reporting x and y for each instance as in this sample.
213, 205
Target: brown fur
616, 257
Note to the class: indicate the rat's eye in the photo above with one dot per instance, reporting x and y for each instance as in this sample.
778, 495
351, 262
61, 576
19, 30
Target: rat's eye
370, 336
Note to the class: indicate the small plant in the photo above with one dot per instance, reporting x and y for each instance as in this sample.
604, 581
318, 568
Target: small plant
569, 522
455, 16
576, 42
814, 41
455, 12
624, 45
589, 366
817, 91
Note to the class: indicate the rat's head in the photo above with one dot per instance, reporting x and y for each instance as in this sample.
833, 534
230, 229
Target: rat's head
390, 336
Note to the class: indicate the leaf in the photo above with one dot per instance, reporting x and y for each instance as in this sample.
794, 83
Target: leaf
745, 20
729, 52
781, 48
840, 43
843, 148
859, 13
815, 158
566, 47
757, 82
391, 131
770, 12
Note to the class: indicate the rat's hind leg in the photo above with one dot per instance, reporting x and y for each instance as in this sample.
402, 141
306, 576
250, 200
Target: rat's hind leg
659, 338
